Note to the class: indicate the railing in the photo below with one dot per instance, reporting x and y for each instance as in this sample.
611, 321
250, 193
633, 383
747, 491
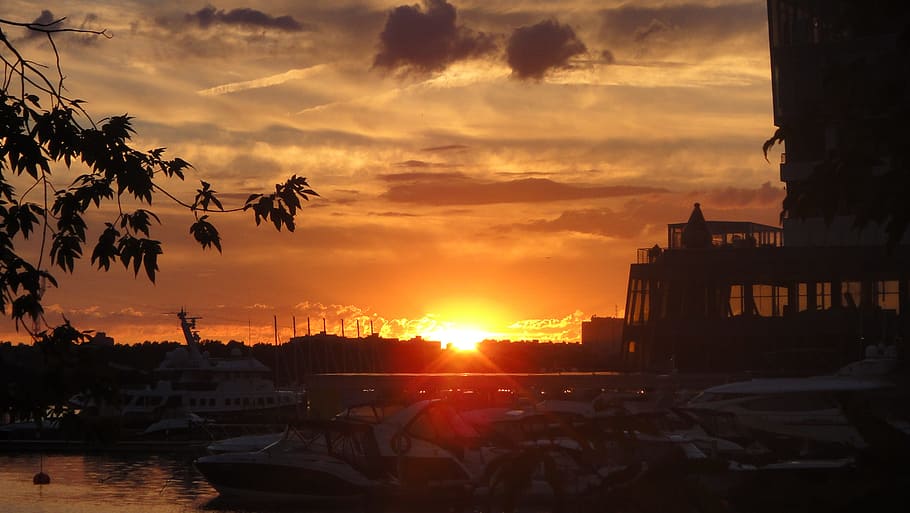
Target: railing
648, 255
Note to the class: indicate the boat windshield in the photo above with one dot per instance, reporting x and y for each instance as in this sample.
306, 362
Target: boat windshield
440, 423
710, 397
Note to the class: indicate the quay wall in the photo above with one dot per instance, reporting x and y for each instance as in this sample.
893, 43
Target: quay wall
330, 393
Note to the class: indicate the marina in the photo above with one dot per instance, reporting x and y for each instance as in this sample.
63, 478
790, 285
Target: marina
482, 178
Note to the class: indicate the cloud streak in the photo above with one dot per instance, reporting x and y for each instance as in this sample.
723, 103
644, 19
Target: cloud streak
269, 81
245, 17
637, 216
692, 30
456, 189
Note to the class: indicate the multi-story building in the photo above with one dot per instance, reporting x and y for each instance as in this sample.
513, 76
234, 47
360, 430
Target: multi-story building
732, 295
840, 87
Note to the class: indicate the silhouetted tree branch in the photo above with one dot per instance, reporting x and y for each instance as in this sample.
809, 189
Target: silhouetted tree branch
47, 136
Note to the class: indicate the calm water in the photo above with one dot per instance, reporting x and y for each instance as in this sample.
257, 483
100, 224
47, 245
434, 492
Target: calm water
128, 483
115, 483
97, 483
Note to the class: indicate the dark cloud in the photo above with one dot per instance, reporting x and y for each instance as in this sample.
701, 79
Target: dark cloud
244, 16
421, 163
418, 176
605, 222
393, 214
637, 217
649, 214
448, 147
45, 18
428, 40
457, 189
273, 134
533, 51
523, 174
657, 31
733, 197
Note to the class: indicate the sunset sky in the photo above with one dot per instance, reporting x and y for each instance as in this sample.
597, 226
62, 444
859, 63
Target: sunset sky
482, 166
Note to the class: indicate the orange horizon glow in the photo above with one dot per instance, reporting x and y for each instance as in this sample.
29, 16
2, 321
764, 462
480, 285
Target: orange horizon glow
458, 200
461, 338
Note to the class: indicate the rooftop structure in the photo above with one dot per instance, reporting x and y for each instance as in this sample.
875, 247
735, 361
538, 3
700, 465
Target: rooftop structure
701, 306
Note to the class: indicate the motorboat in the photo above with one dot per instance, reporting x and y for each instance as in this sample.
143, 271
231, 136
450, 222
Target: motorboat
808, 410
370, 413
233, 389
419, 449
244, 443
181, 424
312, 463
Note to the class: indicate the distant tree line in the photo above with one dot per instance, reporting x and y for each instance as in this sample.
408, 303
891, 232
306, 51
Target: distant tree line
44, 376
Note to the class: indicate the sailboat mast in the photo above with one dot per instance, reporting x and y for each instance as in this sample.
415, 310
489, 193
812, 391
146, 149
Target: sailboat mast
275, 320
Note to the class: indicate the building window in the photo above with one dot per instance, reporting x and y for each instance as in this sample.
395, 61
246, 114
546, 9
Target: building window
852, 294
631, 346
887, 296
639, 302
769, 300
802, 291
736, 300
823, 295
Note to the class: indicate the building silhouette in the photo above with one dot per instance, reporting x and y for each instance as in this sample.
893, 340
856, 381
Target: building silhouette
839, 82
603, 337
809, 296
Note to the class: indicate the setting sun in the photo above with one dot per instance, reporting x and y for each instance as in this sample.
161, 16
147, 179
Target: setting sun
461, 338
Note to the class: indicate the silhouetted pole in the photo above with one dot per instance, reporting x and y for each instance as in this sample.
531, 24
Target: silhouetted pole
343, 348
309, 348
295, 350
359, 350
374, 351
275, 319
325, 343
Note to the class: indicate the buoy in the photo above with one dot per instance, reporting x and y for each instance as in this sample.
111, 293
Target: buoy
41, 478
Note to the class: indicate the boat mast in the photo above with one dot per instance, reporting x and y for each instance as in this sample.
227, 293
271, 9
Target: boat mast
188, 324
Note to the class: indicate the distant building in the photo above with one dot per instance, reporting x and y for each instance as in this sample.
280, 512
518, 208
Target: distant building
603, 337
100, 339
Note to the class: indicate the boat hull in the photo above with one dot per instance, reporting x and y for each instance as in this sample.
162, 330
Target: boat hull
256, 476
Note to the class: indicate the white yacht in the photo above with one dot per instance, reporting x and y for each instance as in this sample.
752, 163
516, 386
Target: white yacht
234, 389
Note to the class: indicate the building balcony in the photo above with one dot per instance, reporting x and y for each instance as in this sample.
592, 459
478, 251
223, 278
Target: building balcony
795, 171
